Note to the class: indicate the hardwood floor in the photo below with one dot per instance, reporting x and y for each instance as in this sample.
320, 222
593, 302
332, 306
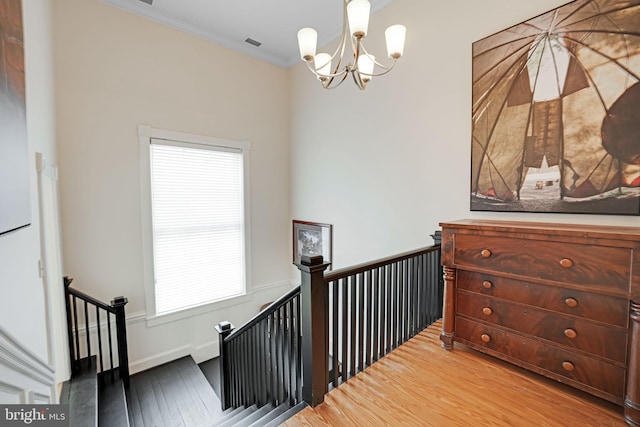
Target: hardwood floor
174, 394
421, 384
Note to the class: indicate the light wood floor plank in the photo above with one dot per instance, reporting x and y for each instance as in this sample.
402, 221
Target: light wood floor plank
421, 384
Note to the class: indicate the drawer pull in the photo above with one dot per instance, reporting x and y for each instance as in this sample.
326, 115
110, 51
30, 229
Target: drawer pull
485, 338
566, 263
487, 311
568, 366
571, 302
570, 333
486, 253
487, 284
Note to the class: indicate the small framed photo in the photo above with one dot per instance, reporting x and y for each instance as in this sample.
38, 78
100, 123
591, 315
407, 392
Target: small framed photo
311, 238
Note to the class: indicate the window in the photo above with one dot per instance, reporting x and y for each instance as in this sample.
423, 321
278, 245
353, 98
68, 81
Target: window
196, 200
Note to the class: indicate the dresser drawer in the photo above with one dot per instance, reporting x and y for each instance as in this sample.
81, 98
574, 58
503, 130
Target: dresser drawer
601, 308
606, 342
585, 370
602, 268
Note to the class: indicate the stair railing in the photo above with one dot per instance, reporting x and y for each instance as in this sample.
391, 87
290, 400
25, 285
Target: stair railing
333, 326
359, 314
260, 362
90, 313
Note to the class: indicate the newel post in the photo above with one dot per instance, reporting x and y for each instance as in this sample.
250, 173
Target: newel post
315, 335
224, 329
118, 304
72, 353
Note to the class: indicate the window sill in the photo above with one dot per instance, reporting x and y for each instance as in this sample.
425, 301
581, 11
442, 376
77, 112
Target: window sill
161, 319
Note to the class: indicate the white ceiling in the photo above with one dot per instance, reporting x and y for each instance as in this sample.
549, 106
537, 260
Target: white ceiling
274, 23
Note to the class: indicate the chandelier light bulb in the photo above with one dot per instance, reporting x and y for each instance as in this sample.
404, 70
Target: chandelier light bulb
307, 41
366, 63
358, 13
323, 65
395, 36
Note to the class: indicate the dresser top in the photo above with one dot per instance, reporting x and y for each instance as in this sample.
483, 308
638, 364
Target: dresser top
583, 230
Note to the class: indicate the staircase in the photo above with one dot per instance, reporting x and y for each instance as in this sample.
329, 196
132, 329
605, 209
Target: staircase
266, 416
179, 393
94, 400
317, 336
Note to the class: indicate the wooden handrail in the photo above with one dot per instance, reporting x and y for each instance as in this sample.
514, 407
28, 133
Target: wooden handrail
264, 313
91, 300
361, 268
117, 309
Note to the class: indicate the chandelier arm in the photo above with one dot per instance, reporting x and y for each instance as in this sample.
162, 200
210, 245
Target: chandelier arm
329, 83
381, 73
355, 48
385, 68
343, 39
357, 78
325, 76
340, 49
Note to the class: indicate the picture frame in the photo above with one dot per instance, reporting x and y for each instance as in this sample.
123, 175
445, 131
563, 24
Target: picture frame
312, 238
555, 114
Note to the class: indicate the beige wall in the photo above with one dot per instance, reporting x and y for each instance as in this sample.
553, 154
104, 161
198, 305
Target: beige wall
386, 165
115, 70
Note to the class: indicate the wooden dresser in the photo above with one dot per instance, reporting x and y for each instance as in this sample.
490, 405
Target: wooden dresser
560, 300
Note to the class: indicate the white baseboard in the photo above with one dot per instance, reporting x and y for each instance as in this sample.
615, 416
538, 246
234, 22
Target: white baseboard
206, 351
159, 359
199, 354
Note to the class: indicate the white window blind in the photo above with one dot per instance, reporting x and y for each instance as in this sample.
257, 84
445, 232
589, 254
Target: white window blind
198, 224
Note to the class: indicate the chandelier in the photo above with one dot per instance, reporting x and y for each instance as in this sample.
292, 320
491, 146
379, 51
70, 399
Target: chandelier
364, 65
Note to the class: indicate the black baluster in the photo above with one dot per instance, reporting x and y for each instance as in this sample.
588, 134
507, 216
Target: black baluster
286, 369
353, 326
334, 328
77, 335
260, 327
361, 318
110, 347
299, 346
385, 346
87, 332
405, 301
273, 359
99, 340
291, 358
276, 357
367, 278
375, 286
395, 304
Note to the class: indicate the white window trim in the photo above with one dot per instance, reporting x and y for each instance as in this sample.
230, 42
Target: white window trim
145, 134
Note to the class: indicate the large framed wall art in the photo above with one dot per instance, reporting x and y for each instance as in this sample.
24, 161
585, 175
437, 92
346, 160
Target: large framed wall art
15, 210
556, 112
